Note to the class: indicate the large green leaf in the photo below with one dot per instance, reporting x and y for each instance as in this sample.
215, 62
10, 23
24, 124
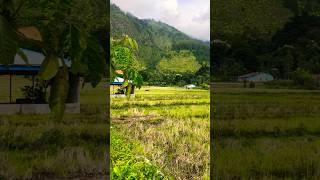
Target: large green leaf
58, 93
125, 84
23, 56
8, 42
94, 57
78, 46
49, 67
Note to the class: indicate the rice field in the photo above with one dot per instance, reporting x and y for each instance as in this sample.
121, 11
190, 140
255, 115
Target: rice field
168, 127
35, 147
266, 133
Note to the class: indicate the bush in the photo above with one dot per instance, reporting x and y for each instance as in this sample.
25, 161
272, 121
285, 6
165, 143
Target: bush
34, 94
303, 79
279, 84
204, 86
128, 162
252, 84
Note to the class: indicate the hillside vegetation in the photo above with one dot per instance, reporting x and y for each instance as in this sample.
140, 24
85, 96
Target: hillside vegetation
278, 36
155, 38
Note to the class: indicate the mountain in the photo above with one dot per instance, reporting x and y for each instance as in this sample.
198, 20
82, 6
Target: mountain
155, 38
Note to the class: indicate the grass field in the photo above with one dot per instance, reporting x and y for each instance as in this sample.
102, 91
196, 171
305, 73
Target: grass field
266, 133
35, 147
164, 129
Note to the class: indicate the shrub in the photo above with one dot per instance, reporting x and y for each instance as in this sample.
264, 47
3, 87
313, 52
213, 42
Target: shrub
279, 84
128, 161
303, 79
252, 84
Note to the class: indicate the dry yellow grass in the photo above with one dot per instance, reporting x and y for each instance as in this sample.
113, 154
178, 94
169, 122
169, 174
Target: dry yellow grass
172, 124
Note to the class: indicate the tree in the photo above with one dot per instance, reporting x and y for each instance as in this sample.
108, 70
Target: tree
179, 62
67, 29
233, 17
303, 7
124, 58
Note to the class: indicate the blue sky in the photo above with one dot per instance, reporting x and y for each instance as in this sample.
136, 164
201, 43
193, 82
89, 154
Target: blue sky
189, 16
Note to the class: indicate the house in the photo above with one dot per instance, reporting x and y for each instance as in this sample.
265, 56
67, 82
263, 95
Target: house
16, 76
256, 77
117, 90
190, 86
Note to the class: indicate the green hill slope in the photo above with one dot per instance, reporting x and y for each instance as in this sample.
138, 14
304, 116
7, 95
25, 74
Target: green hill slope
155, 38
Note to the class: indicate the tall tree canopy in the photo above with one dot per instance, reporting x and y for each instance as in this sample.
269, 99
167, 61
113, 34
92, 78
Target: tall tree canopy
68, 31
124, 57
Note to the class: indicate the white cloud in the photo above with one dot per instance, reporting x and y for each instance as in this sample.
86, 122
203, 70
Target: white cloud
189, 16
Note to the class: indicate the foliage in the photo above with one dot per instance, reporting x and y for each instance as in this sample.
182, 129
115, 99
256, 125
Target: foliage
127, 164
123, 57
35, 94
8, 43
155, 39
232, 18
67, 30
303, 79
303, 7
295, 45
179, 62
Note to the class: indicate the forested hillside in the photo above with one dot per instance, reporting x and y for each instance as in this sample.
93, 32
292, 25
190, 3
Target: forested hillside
155, 39
276, 36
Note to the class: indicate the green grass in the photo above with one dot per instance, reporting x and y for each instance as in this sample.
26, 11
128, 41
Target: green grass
129, 161
33, 146
172, 127
266, 133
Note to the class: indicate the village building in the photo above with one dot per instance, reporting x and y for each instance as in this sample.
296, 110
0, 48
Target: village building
20, 75
190, 86
116, 86
256, 77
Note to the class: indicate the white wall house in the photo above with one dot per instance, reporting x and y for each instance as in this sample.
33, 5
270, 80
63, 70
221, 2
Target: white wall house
256, 77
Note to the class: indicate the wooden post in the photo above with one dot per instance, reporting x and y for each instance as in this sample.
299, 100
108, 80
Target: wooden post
33, 81
10, 88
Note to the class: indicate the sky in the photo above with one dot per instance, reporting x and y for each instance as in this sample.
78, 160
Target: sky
189, 16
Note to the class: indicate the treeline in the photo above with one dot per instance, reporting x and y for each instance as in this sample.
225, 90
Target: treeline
289, 46
178, 68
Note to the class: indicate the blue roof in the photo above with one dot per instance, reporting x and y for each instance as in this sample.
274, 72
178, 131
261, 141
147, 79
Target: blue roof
19, 69
116, 83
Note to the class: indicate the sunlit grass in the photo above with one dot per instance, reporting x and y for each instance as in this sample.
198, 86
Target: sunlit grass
266, 133
34, 146
172, 124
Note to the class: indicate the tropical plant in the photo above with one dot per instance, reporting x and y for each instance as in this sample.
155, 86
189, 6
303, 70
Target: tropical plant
67, 29
36, 93
124, 58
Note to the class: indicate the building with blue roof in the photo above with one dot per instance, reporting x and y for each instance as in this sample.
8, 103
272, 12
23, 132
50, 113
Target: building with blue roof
26, 71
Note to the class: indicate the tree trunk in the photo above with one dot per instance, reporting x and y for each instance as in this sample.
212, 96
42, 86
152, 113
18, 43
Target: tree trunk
74, 89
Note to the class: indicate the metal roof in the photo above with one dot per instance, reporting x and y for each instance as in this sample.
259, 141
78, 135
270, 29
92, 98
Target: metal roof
251, 74
19, 67
34, 58
118, 81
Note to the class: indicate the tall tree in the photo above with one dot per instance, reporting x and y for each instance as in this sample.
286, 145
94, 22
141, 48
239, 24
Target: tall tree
67, 28
124, 57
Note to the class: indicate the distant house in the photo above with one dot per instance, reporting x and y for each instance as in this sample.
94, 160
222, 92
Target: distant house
256, 77
190, 86
116, 87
